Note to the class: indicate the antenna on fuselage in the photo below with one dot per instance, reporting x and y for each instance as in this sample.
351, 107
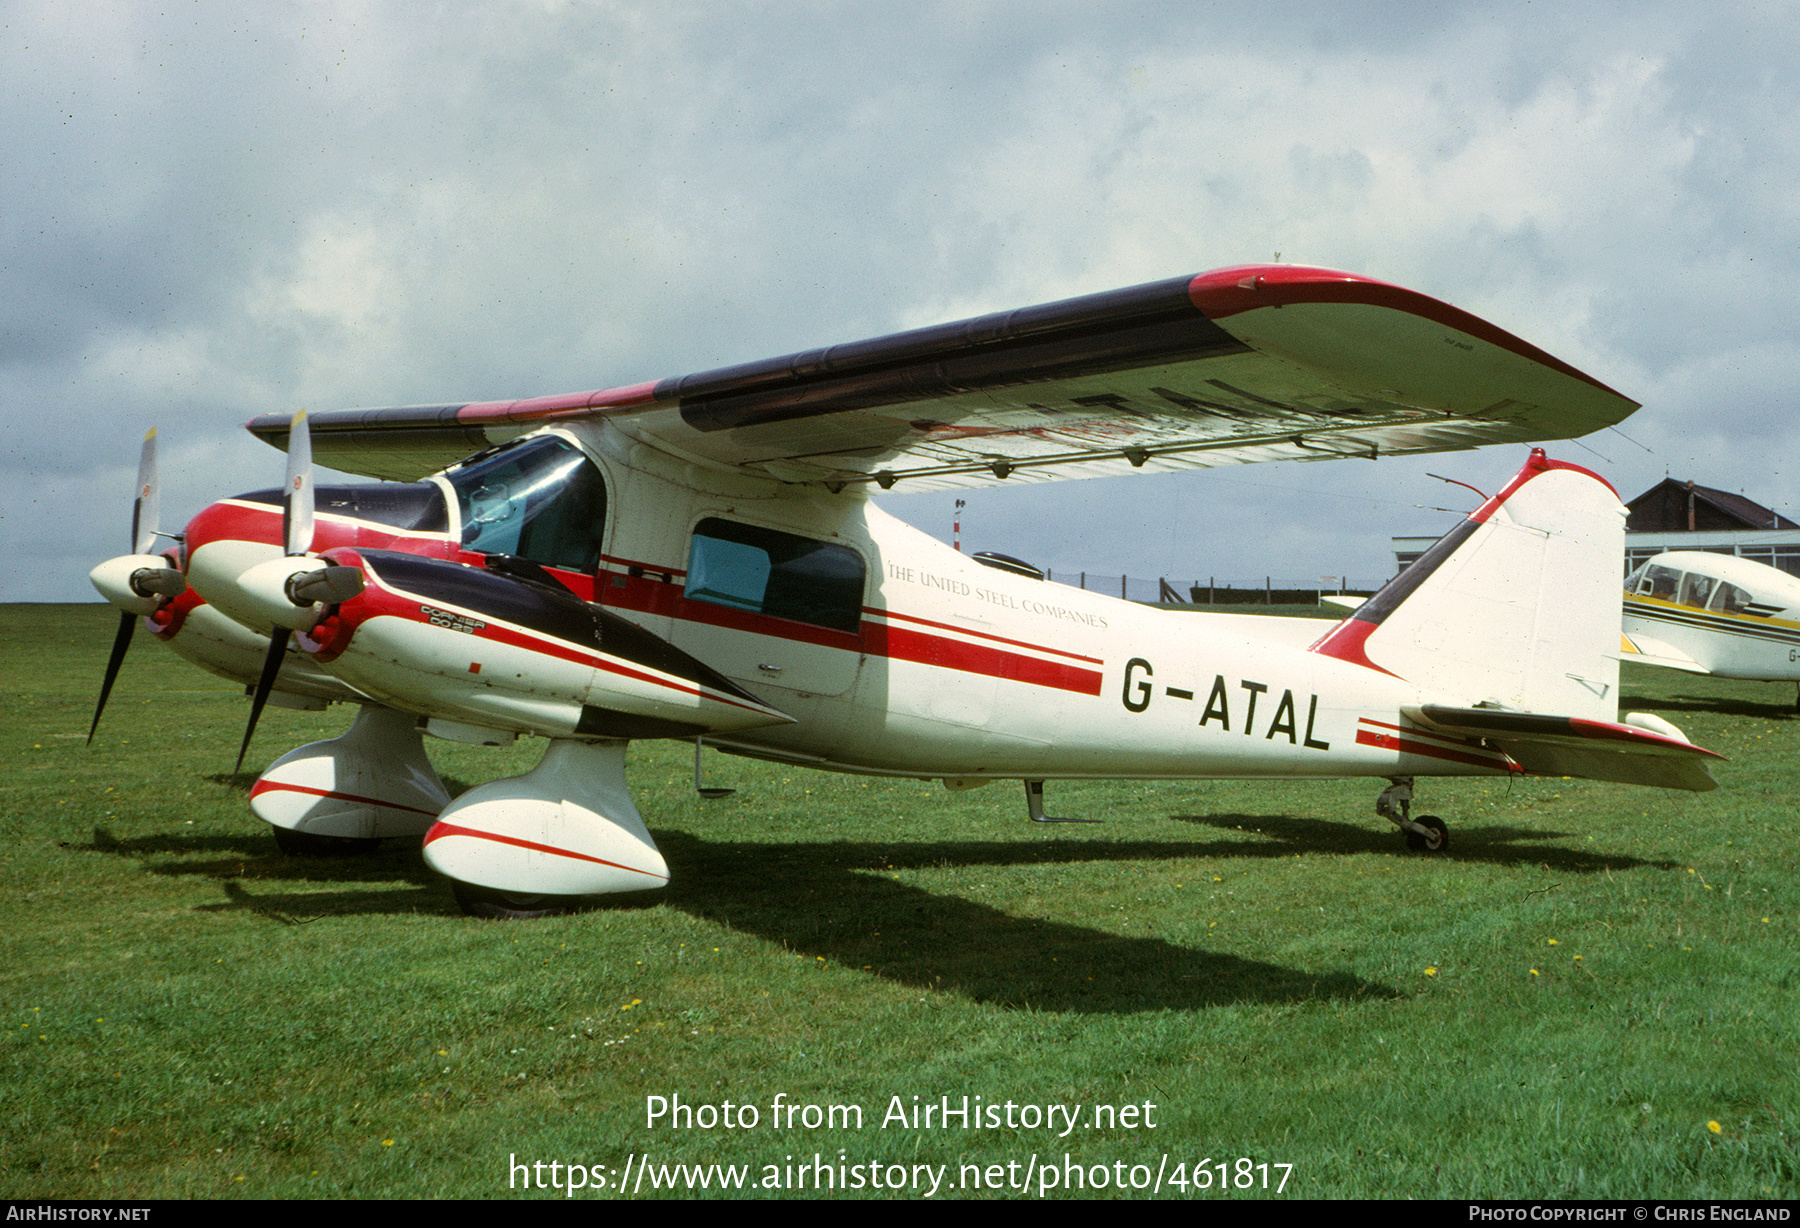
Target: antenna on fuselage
709, 793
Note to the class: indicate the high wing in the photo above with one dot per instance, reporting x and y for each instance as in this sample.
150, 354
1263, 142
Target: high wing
1254, 363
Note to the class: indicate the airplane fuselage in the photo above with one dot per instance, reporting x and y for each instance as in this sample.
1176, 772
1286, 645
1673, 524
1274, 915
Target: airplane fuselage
890, 652
1714, 614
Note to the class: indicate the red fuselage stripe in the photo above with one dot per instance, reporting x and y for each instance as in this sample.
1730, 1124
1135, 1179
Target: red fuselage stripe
406, 606
879, 639
567, 652
1347, 641
902, 644
1407, 746
1453, 739
648, 569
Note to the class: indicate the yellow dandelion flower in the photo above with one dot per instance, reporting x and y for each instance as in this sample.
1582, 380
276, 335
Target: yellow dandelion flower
1534, 972
1431, 972
1715, 1127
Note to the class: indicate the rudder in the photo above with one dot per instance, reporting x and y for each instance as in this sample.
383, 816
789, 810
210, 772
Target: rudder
1517, 607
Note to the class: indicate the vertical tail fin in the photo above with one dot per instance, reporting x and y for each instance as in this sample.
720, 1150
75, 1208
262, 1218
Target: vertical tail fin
1516, 607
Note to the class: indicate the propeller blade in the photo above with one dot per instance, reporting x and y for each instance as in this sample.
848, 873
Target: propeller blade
144, 507
121, 641
148, 583
297, 511
296, 534
278, 639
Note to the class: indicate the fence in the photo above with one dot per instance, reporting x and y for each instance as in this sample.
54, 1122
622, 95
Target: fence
1163, 590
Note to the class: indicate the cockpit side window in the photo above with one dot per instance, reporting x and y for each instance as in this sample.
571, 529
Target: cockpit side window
745, 567
1730, 599
1696, 590
540, 500
1661, 582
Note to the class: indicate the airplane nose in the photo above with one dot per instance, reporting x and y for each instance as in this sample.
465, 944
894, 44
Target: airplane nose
138, 583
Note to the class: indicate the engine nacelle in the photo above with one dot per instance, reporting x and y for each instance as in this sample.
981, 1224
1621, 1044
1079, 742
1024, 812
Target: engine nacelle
138, 583
494, 650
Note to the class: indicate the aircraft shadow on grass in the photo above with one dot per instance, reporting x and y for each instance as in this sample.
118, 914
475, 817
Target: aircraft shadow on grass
839, 902
1490, 844
833, 901
253, 856
1781, 708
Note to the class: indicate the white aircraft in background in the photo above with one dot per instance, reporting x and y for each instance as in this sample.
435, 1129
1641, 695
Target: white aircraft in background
1714, 614
697, 558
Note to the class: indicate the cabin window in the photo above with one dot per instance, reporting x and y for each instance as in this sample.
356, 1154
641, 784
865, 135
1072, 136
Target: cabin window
1696, 589
1730, 599
1659, 581
541, 500
763, 571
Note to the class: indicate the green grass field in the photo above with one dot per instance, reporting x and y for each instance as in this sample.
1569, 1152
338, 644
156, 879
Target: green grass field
1594, 994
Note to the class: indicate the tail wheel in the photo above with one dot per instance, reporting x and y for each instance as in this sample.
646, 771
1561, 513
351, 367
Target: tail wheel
1436, 839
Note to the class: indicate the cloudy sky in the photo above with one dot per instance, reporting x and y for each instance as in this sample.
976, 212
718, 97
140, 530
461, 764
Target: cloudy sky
215, 210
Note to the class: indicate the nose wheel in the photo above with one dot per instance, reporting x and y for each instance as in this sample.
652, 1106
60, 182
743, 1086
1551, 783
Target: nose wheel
1425, 834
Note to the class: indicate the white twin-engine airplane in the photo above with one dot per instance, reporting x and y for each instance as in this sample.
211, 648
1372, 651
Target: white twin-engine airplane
1714, 614
697, 558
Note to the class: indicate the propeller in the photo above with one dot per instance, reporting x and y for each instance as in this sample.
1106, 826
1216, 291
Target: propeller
296, 536
292, 589
139, 583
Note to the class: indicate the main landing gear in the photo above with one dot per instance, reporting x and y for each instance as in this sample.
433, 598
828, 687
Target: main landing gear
1425, 834
344, 796
549, 841
1034, 805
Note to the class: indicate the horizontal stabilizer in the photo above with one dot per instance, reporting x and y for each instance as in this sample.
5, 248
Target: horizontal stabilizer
1543, 745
